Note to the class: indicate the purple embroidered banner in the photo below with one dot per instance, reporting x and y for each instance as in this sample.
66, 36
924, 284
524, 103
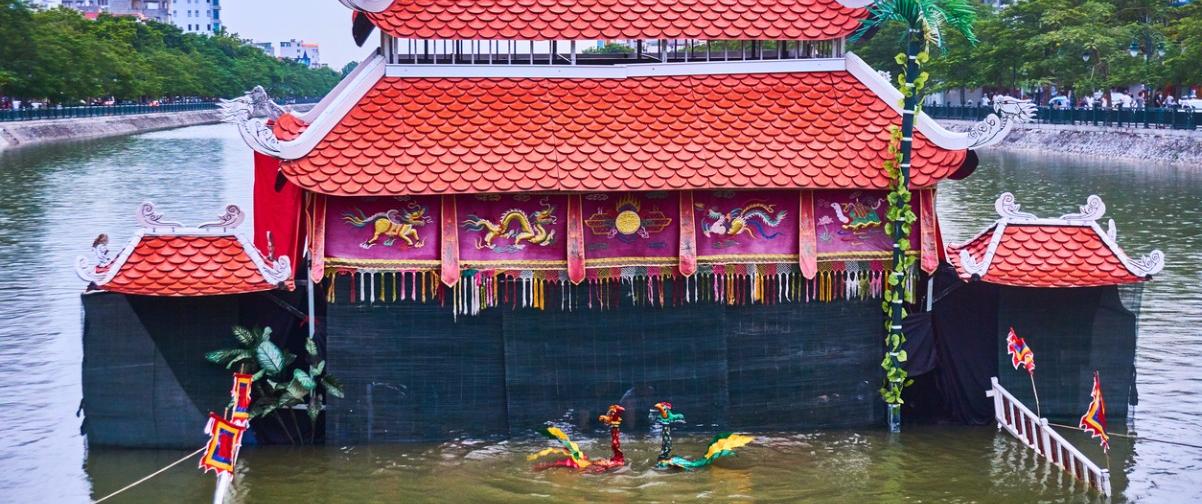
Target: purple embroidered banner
746, 226
386, 232
512, 231
631, 229
851, 224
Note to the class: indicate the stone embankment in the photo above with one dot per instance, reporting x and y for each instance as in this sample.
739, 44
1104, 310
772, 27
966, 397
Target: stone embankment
25, 133
1133, 144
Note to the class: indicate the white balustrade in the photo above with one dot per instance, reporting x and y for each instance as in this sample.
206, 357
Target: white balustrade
1022, 423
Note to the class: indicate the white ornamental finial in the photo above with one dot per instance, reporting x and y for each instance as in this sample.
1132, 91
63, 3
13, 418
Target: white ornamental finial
147, 217
1009, 209
232, 218
1091, 211
1148, 265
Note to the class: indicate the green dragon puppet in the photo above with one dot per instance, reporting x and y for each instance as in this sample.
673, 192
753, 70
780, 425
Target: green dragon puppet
723, 444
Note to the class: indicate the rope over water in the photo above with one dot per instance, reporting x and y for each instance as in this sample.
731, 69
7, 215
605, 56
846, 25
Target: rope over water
1128, 436
151, 475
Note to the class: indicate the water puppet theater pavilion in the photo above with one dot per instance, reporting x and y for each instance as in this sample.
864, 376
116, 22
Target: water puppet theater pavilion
486, 227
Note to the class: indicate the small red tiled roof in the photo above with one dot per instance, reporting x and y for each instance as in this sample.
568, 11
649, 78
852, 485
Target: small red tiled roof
180, 265
167, 259
818, 130
1068, 252
614, 19
1047, 256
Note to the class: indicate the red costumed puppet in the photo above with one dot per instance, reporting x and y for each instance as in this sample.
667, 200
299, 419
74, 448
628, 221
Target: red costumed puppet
575, 458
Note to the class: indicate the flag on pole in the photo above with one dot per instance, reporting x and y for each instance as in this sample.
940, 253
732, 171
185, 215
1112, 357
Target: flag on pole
241, 399
1020, 353
225, 439
1094, 420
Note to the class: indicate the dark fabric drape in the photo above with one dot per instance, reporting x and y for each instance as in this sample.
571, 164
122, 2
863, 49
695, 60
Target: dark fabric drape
920, 344
965, 318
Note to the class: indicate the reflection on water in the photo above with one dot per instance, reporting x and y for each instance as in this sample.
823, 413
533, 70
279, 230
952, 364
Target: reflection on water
54, 200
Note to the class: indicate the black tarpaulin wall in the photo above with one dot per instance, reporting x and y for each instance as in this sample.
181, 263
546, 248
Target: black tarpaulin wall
412, 373
146, 383
1072, 331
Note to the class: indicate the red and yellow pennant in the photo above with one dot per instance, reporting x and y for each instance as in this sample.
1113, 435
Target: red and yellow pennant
225, 439
241, 395
1020, 353
1094, 420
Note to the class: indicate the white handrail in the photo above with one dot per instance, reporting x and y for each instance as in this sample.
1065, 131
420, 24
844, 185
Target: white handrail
1035, 432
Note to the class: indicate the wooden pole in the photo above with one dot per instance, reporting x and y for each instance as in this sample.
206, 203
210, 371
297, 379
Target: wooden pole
223, 486
1036, 392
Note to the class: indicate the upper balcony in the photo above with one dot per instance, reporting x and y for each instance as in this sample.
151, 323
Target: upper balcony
626, 52
606, 32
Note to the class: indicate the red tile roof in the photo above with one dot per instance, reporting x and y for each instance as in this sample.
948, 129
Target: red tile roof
287, 127
188, 266
1023, 250
476, 135
168, 259
614, 19
1047, 256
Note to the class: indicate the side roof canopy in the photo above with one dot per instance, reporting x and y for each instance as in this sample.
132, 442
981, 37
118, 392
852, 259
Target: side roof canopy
1023, 250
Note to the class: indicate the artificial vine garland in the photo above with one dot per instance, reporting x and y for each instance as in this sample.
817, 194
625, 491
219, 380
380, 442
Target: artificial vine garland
900, 219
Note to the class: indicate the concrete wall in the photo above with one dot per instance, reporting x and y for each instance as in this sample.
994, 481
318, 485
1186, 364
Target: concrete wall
1138, 144
23, 133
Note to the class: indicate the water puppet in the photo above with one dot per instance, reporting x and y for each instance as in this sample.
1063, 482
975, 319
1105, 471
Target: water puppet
723, 444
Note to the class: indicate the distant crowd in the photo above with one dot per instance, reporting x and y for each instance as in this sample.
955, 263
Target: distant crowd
1115, 99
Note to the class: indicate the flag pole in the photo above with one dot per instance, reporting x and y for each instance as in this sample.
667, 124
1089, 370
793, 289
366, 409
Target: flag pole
1036, 392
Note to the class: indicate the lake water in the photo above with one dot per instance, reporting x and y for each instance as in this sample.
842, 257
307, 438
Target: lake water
54, 200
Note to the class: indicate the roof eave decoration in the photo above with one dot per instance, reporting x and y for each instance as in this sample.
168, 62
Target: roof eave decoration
987, 132
244, 111
1011, 213
381, 5
274, 272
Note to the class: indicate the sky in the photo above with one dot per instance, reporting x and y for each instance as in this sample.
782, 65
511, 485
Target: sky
326, 22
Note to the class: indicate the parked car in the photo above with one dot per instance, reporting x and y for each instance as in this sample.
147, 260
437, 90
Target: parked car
1194, 103
1060, 102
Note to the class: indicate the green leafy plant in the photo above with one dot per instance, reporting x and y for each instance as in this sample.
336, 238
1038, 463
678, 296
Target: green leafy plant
278, 384
924, 22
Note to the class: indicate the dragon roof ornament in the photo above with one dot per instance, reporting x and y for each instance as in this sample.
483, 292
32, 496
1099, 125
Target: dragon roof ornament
991, 130
101, 269
1088, 216
245, 112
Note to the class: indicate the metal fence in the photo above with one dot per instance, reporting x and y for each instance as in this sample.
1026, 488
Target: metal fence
1166, 118
46, 113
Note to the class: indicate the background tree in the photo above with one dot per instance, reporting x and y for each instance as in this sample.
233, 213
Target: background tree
1037, 46
59, 56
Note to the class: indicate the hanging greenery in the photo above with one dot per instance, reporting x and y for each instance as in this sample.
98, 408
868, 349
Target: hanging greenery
900, 219
278, 384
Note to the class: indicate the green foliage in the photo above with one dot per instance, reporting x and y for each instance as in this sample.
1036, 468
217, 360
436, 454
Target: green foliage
278, 384
58, 55
1040, 43
609, 48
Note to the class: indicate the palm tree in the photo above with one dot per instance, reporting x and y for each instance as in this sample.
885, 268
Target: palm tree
925, 22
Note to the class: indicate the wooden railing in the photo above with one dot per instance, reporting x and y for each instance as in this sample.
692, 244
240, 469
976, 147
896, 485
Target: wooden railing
1025, 425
